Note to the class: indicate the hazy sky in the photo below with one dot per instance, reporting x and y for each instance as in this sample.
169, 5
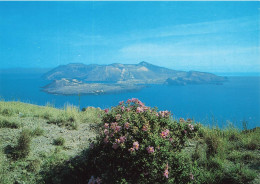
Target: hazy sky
204, 36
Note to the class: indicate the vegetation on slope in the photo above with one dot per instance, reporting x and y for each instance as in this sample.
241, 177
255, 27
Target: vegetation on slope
129, 143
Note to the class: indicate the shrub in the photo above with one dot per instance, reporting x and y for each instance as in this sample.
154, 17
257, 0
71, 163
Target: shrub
213, 144
5, 123
60, 141
34, 165
139, 145
37, 132
7, 112
22, 149
65, 120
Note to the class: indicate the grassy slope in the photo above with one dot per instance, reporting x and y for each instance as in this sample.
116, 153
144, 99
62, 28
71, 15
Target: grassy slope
46, 124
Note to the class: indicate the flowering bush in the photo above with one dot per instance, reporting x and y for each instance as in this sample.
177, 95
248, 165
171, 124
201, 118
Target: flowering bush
138, 144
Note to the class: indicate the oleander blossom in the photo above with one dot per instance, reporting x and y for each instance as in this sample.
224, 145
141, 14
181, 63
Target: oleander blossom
139, 110
113, 126
150, 149
118, 141
122, 139
118, 128
106, 132
126, 125
166, 173
136, 145
191, 127
165, 133
123, 108
145, 128
118, 117
164, 113
106, 110
106, 125
131, 150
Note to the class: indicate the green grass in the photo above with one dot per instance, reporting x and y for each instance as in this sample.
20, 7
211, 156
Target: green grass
43, 139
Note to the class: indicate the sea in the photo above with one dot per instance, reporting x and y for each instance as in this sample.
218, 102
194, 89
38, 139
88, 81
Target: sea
235, 103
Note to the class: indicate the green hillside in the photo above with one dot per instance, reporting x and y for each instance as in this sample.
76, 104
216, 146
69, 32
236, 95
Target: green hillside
43, 144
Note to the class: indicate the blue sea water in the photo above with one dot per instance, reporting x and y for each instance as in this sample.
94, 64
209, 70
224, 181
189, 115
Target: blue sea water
236, 101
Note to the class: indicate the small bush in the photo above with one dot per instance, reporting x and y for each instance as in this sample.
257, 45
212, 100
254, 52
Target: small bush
65, 120
37, 132
34, 165
253, 144
7, 112
60, 141
5, 123
213, 144
22, 149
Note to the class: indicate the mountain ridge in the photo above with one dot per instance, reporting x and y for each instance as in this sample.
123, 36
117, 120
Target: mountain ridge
120, 76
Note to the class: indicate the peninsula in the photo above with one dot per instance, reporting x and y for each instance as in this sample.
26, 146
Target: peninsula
73, 79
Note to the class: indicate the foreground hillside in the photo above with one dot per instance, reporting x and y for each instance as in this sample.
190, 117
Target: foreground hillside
42, 144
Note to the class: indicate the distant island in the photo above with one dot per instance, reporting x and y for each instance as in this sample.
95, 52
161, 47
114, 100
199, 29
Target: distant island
79, 78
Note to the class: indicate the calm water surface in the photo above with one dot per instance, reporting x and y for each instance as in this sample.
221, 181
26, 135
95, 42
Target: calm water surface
235, 101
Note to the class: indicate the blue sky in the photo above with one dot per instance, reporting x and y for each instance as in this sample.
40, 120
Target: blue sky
203, 36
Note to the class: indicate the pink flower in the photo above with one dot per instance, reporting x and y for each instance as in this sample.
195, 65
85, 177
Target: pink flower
113, 125
118, 141
163, 134
115, 146
185, 131
118, 116
106, 132
150, 149
106, 125
145, 128
146, 108
128, 101
140, 103
171, 139
166, 173
120, 103
139, 109
167, 131
122, 139
136, 145
131, 150
164, 113
122, 108
106, 110
127, 125
118, 128
128, 109
191, 127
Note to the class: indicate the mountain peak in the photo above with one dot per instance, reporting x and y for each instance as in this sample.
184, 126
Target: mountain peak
144, 63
